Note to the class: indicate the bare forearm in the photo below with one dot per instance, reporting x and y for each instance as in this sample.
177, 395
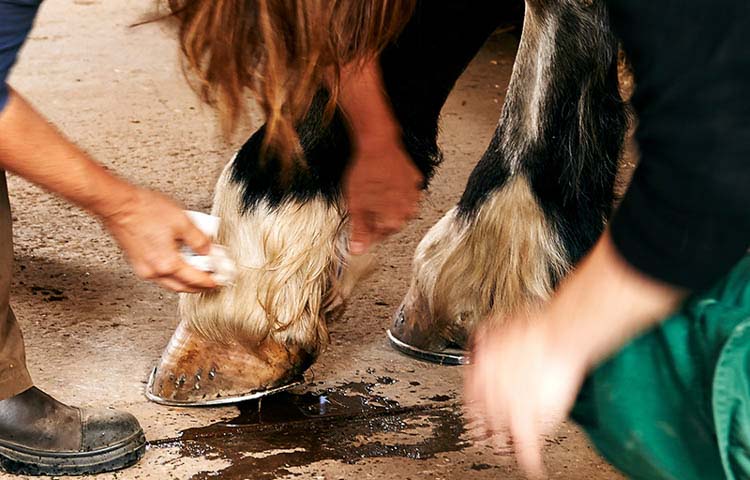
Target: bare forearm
606, 302
366, 105
33, 149
148, 226
382, 184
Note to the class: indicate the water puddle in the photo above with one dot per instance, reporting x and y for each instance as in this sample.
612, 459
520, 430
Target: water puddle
347, 423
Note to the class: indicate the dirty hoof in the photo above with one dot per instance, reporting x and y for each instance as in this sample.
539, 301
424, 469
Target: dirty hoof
416, 338
195, 371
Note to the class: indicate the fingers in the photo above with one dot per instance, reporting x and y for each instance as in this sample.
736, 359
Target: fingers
184, 279
194, 238
175, 286
372, 224
361, 233
170, 271
382, 189
473, 394
151, 230
523, 427
493, 399
194, 278
365, 231
147, 272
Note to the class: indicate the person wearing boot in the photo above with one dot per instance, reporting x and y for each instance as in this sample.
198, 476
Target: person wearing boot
38, 434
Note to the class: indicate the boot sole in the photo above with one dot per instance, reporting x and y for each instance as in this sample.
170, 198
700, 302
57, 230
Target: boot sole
22, 461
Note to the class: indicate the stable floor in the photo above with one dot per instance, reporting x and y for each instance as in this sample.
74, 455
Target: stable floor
93, 331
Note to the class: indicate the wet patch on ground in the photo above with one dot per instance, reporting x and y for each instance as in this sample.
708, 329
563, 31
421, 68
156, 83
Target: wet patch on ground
440, 398
349, 424
49, 294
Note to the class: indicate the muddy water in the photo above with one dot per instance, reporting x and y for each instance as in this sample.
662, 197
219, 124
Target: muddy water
347, 423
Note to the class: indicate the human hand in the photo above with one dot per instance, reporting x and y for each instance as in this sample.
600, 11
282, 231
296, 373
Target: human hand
525, 376
521, 385
151, 228
382, 189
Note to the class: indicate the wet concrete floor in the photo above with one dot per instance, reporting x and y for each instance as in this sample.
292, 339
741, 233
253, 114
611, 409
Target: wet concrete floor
94, 332
345, 424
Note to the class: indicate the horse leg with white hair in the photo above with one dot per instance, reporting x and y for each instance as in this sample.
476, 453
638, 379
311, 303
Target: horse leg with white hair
287, 230
540, 196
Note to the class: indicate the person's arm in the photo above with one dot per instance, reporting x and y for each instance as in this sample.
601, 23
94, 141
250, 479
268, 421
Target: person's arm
525, 376
148, 226
685, 218
683, 223
382, 185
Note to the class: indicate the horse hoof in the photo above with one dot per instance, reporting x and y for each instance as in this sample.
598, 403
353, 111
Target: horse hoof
448, 356
196, 371
413, 336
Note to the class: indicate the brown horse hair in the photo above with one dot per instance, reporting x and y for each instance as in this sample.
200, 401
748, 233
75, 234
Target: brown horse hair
281, 52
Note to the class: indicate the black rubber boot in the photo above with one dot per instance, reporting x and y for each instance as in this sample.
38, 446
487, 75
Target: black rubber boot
41, 436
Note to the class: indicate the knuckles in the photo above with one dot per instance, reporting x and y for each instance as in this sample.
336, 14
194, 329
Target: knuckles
144, 271
166, 267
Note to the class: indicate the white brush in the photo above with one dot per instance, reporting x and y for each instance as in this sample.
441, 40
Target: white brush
217, 262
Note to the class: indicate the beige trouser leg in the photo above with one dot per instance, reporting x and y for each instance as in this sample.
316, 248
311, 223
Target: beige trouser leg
14, 378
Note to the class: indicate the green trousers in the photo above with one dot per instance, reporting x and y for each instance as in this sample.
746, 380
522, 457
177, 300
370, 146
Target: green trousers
675, 402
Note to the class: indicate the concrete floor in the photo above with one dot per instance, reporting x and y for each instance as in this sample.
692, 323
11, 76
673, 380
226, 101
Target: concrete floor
93, 331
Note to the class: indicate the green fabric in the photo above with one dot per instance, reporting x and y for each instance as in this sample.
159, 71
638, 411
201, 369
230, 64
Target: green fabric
675, 402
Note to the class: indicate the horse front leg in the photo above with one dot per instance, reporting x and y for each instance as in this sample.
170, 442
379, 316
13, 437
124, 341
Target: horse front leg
538, 199
288, 231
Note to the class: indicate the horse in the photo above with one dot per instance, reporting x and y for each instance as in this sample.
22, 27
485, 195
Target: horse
535, 203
